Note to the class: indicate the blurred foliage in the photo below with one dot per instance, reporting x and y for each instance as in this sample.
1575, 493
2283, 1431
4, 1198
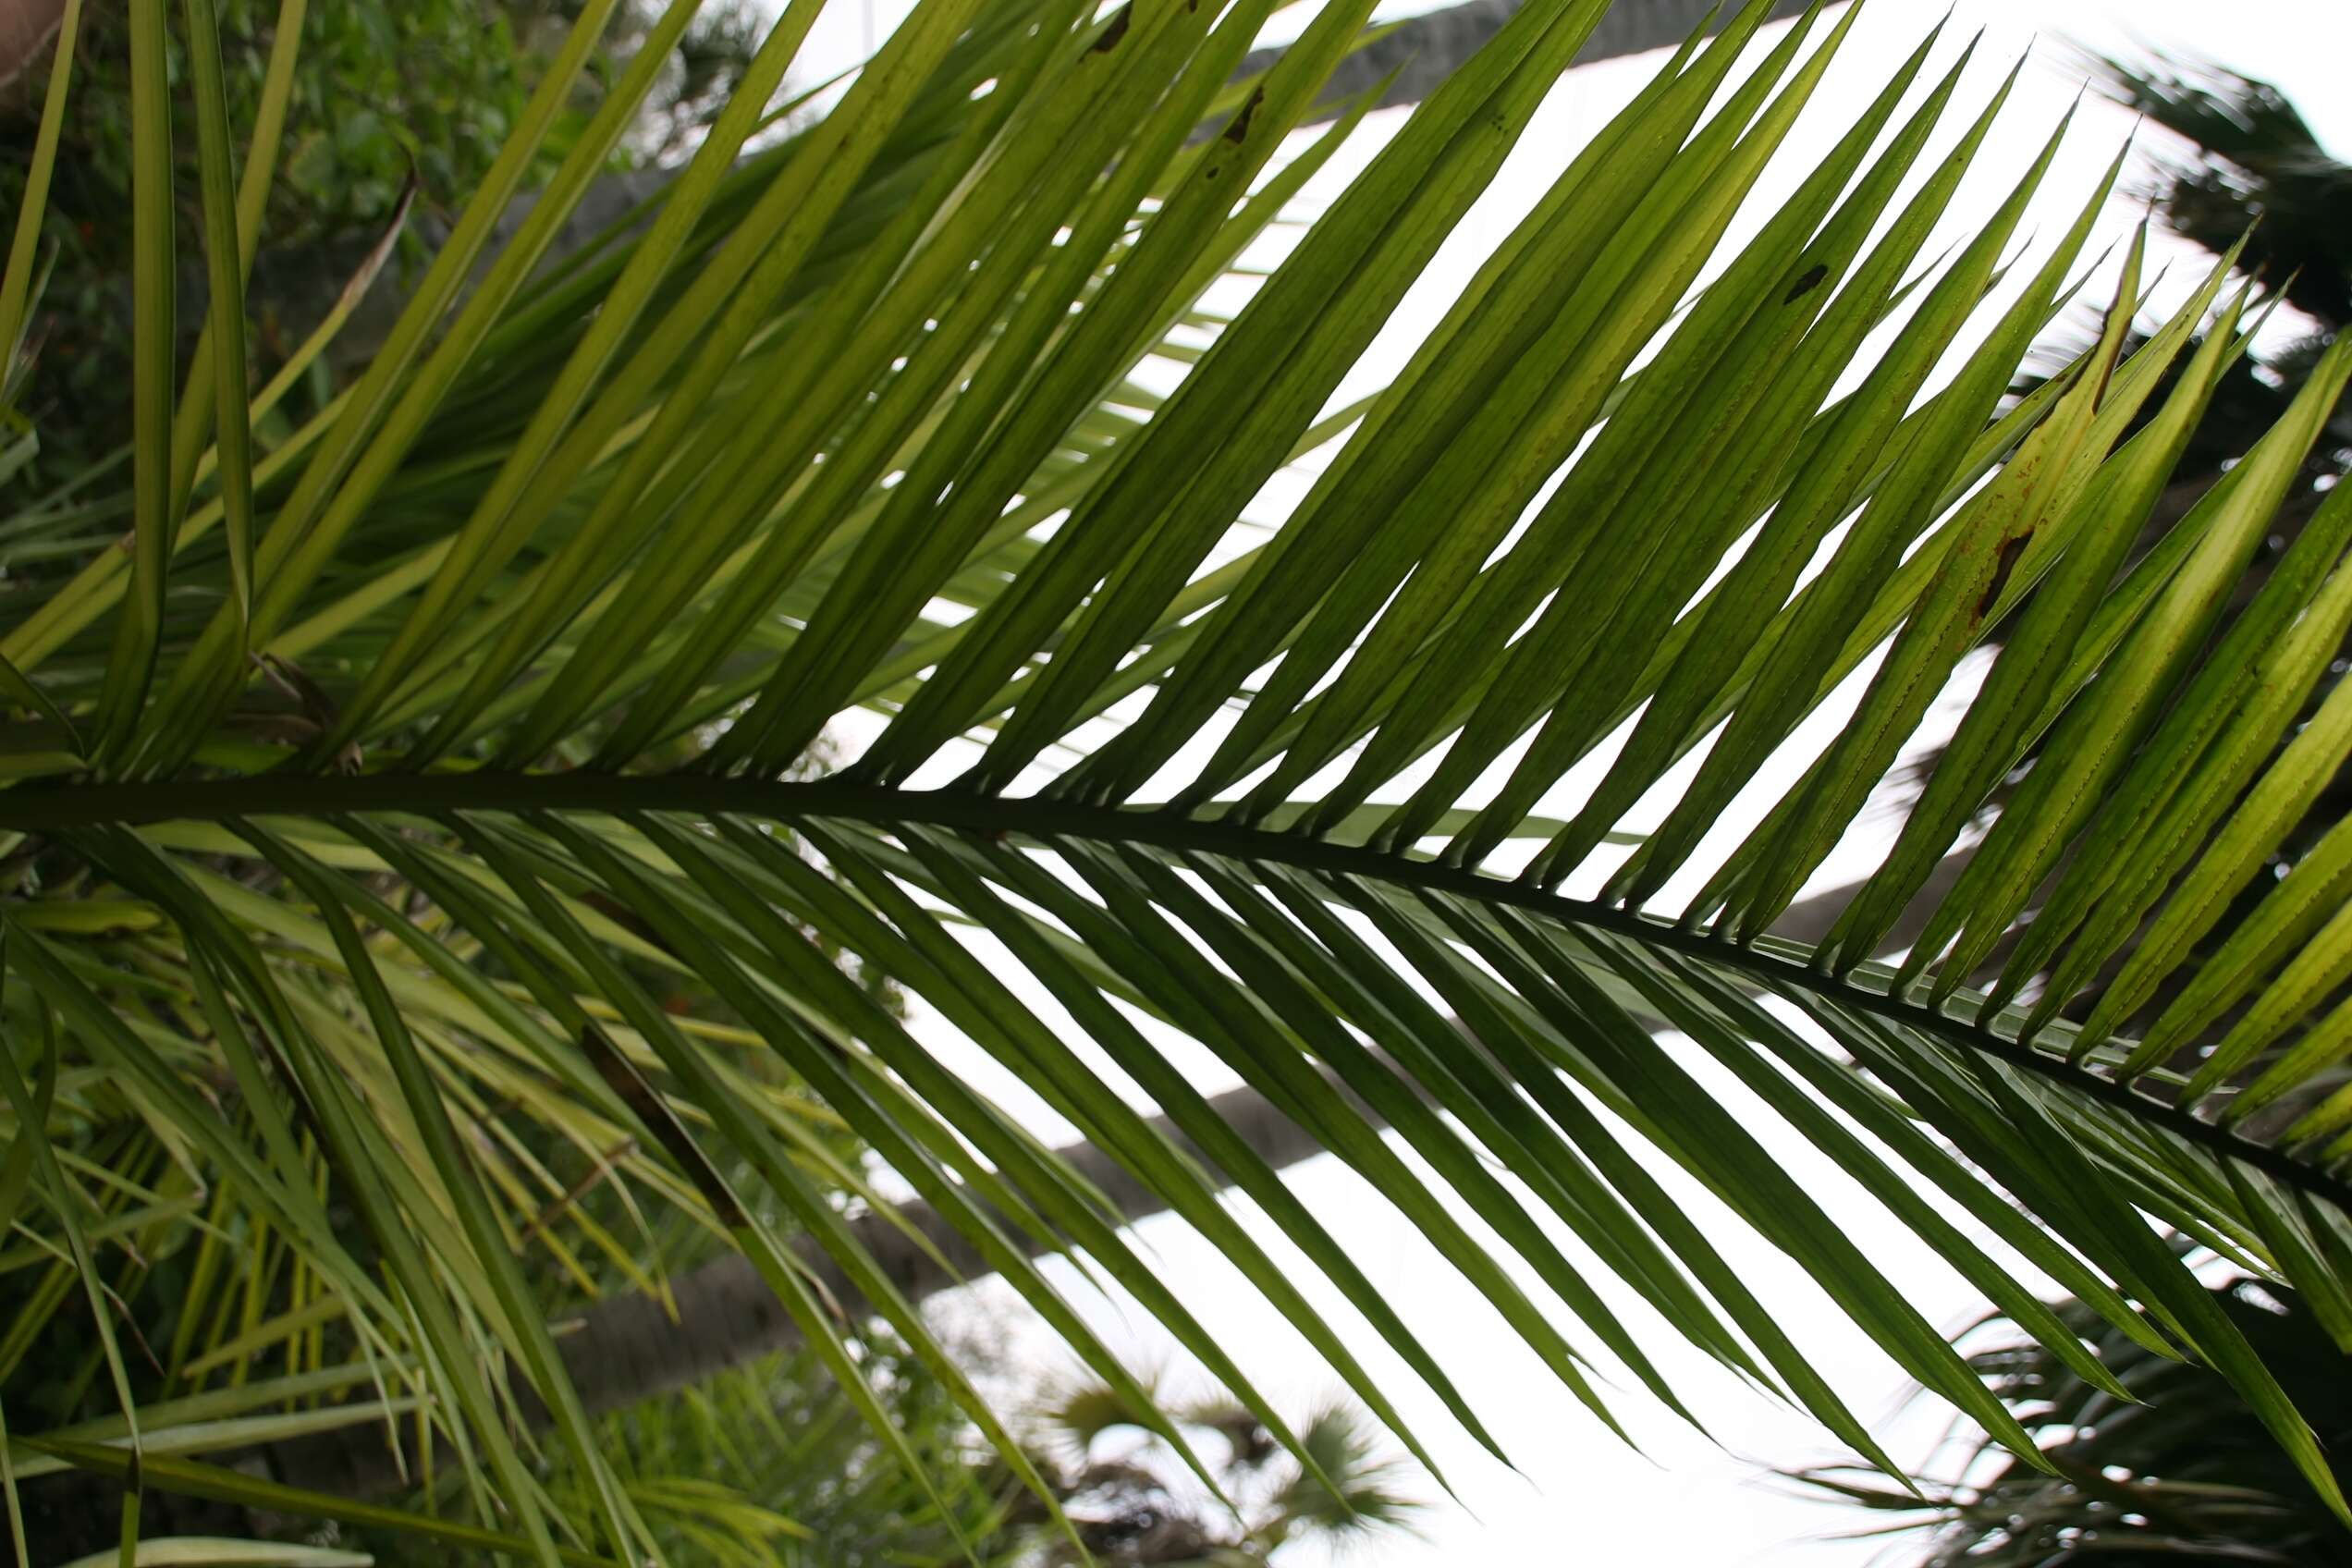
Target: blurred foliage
425, 90
769, 1466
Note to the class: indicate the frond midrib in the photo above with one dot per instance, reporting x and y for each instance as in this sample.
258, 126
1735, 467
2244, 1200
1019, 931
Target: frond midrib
1045, 819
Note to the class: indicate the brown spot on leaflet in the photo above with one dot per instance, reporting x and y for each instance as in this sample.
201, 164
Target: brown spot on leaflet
1239, 128
2002, 565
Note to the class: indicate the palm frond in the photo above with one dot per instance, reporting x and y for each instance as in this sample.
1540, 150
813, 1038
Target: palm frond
491, 807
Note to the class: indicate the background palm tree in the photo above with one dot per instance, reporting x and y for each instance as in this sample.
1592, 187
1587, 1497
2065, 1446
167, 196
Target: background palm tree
417, 869
1138, 1508
2182, 1475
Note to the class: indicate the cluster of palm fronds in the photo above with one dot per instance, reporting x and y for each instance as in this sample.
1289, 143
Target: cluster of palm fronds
407, 839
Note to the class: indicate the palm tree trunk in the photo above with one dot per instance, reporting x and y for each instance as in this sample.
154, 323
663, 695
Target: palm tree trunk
1425, 50
26, 28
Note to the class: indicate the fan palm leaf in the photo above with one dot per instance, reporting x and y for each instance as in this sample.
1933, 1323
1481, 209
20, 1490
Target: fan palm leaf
462, 831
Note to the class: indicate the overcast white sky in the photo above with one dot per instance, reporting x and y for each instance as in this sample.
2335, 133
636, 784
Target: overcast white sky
1689, 1497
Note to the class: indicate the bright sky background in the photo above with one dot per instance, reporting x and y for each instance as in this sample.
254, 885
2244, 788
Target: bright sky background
1581, 1496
